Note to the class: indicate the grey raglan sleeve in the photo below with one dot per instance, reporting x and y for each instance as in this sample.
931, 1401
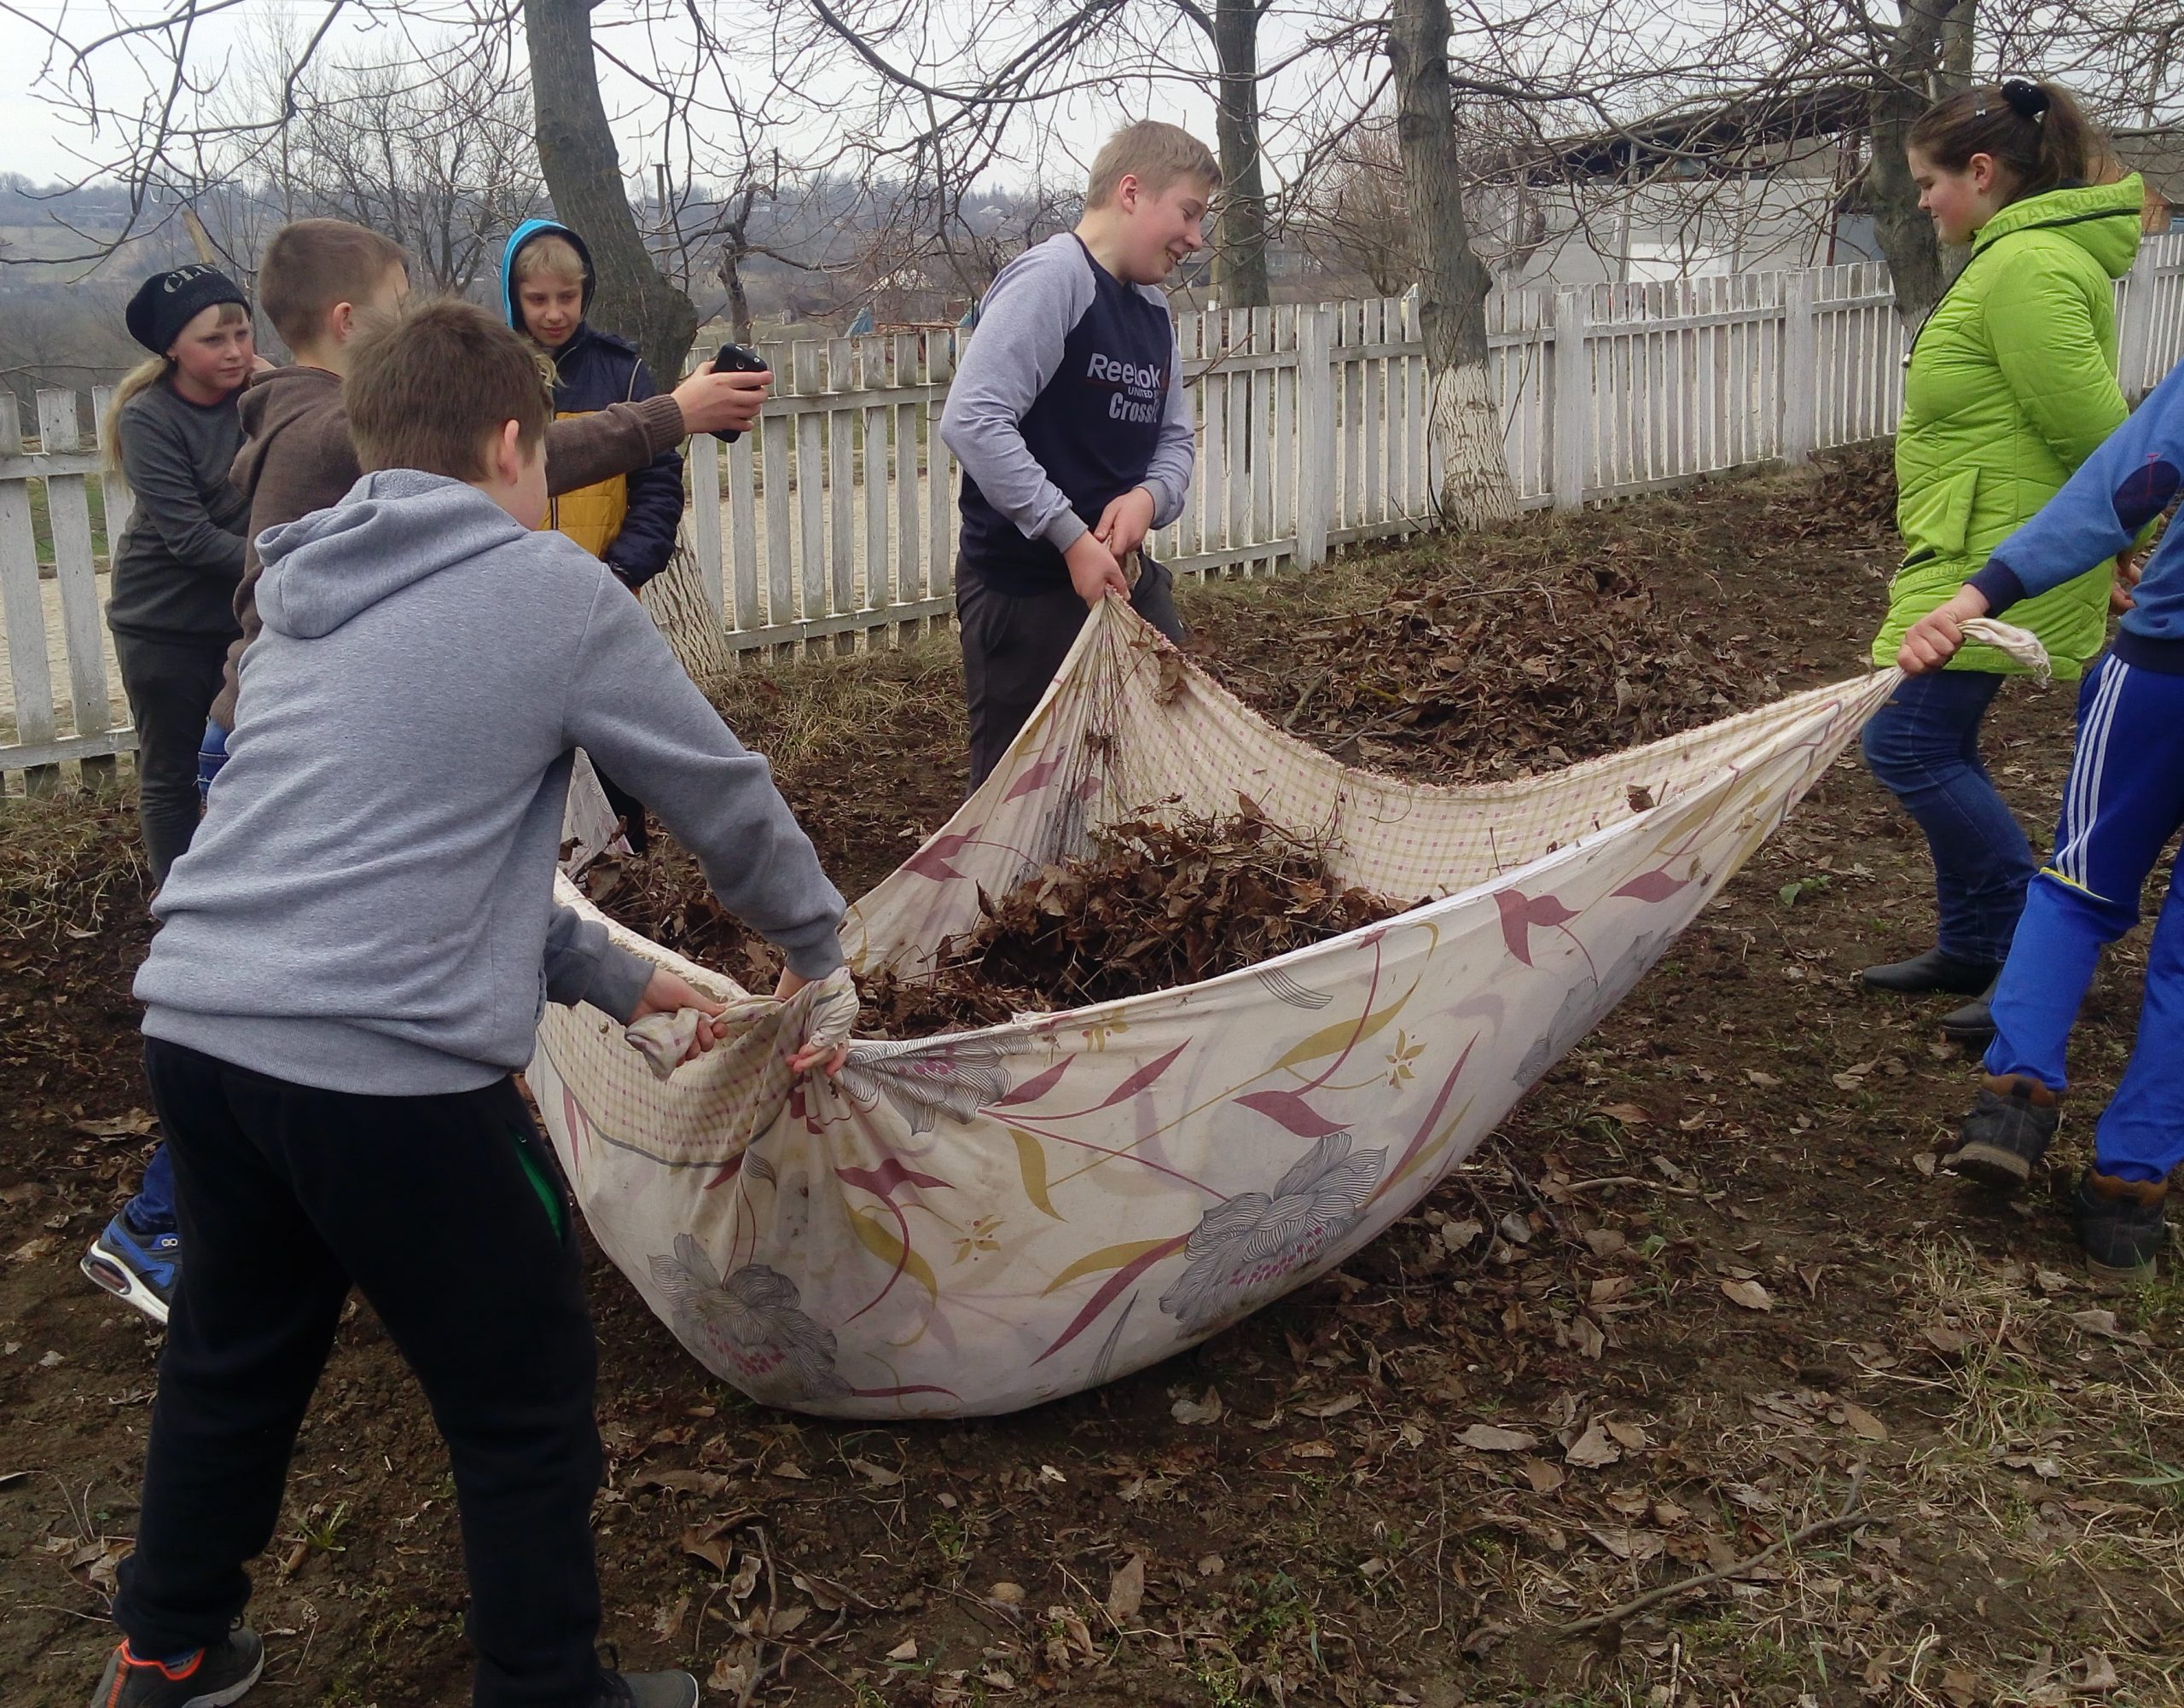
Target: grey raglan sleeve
582, 965
631, 706
1168, 476
1026, 315
163, 475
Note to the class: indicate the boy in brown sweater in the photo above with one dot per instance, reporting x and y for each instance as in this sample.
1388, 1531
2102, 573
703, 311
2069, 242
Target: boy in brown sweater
322, 281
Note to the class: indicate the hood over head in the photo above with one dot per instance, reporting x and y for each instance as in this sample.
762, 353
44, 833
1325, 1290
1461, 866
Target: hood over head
394, 528
524, 234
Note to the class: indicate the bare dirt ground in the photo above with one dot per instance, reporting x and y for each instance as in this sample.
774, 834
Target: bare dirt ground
1700, 1315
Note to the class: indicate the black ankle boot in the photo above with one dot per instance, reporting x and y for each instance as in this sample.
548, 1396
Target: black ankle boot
2121, 1225
1973, 1026
2007, 1131
1932, 970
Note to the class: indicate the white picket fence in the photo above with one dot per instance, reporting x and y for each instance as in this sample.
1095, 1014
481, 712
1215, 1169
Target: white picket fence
837, 516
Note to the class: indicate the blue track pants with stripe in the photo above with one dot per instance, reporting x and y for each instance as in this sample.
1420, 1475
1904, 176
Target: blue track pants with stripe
2124, 801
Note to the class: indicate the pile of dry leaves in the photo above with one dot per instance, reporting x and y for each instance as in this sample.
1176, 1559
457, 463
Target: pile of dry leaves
1154, 905
1458, 685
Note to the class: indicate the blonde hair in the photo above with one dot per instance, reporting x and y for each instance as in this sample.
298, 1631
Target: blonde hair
142, 378
312, 264
551, 255
1156, 155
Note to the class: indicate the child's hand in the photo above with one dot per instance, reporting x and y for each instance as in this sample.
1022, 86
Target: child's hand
1125, 522
1934, 638
1094, 571
827, 1058
668, 994
2126, 578
721, 402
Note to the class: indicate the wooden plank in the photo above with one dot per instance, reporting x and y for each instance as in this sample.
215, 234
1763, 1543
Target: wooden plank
35, 724
841, 492
1418, 499
810, 487
1236, 335
788, 639
872, 374
1264, 525
701, 456
1376, 408
1213, 481
68, 518
1182, 536
1285, 424
1350, 397
120, 501
1316, 432
1572, 399
743, 528
909, 582
940, 483
41, 759
1800, 362
781, 548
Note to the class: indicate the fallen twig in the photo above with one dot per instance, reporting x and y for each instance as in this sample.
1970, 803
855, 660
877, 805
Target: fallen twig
1853, 1513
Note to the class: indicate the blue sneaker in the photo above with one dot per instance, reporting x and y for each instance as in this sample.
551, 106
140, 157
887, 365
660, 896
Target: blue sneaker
137, 1268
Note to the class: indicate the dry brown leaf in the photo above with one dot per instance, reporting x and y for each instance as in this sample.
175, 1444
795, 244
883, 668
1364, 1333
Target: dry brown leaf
1126, 1590
1207, 1410
1630, 1437
1310, 1449
905, 1650
1748, 1293
878, 1475
1544, 1477
1863, 1424
1593, 1449
1630, 1114
1486, 1437
1008, 1594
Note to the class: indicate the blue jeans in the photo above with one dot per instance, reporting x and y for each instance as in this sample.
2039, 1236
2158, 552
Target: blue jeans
2123, 805
152, 1209
1924, 746
212, 754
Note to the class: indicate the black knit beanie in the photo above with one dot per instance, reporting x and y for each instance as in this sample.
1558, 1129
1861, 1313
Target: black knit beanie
167, 302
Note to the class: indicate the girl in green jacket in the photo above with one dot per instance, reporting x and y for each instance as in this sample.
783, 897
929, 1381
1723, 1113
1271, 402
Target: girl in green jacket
2011, 385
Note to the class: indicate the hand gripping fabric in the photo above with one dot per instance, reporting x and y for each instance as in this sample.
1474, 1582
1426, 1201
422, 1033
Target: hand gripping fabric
979, 1222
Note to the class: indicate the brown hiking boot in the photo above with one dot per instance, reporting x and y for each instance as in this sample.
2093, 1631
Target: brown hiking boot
2121, 1225
2007, 1131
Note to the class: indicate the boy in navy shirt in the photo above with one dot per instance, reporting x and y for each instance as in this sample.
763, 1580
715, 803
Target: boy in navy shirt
1074, 428
2123, 805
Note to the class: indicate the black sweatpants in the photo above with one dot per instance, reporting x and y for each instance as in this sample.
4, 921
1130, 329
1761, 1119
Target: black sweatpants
170, 686
1014, 644
440, 1210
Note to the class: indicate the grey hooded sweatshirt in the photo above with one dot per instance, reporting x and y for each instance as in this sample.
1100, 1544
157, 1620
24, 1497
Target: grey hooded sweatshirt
367, 906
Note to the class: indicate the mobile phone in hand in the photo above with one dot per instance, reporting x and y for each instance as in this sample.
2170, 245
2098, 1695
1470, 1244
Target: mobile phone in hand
733, 359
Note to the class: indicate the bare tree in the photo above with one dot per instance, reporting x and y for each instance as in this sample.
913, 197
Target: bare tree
1465, 426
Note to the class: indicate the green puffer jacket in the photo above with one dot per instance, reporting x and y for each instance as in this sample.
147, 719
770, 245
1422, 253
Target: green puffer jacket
2012, 385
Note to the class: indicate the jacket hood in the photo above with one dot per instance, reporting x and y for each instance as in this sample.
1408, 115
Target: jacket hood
2105, 220
272, 402
392, 528
524, 234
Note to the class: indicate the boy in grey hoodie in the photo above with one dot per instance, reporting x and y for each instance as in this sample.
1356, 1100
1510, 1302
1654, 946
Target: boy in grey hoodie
354, 957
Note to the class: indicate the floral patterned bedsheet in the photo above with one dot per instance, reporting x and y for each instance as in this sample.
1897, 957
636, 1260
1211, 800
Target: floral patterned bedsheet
976, 1222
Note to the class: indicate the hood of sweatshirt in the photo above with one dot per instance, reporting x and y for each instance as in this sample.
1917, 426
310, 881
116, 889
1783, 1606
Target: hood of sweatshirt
530, 230
2105, 220
393, 529
269, 405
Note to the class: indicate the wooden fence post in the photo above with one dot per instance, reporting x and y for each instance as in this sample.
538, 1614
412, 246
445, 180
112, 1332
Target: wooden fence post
1573, 398
2134, 330
1315, 432
28, 670
704, 523
69, 516
1800, 364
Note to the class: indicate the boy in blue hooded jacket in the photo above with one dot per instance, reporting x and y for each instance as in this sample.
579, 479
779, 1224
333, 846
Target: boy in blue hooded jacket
628, 521
2123, 805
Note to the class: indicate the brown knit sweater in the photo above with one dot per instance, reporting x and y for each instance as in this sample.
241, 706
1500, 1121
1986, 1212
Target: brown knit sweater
297, 458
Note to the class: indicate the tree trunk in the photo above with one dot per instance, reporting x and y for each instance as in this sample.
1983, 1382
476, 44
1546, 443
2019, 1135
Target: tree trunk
583, 175
1240, 244
1464, 424
1902, 89
731, 275
675, 600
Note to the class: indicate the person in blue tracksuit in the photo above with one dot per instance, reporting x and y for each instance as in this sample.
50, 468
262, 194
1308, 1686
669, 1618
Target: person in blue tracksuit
2124, 803
628, 521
